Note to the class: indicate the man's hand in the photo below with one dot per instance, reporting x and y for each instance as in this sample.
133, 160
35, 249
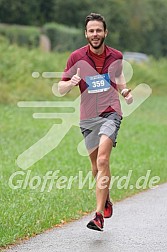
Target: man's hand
127, 95
76, 78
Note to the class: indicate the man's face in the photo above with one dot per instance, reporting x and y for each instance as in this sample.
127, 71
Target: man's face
95, 33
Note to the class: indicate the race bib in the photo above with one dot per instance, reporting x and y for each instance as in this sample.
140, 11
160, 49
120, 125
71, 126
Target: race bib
98, 83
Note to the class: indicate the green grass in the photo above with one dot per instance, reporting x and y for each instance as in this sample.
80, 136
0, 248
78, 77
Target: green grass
24, 212
141, 145
16, 82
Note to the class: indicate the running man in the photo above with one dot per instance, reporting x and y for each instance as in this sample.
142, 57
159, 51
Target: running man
97, 69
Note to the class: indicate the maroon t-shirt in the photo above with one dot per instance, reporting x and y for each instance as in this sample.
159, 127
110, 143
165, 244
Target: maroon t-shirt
95, 101
98, 60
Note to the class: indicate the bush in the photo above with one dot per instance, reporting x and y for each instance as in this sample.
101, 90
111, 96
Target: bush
63, 38
21, 35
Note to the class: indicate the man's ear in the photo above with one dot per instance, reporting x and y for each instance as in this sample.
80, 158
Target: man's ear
85, 34
106, 33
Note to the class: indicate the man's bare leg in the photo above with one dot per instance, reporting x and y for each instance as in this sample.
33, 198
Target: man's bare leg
103, 175
93, 154
93, 158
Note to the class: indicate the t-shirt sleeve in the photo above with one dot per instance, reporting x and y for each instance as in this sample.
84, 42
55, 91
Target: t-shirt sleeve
119, 65
69, 70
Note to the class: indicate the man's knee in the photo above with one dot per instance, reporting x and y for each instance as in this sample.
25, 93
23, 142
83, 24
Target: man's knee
102, 163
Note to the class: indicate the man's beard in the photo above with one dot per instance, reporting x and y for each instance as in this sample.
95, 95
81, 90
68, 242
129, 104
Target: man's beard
98, 46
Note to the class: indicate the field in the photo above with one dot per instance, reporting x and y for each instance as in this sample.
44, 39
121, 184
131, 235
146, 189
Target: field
27, 205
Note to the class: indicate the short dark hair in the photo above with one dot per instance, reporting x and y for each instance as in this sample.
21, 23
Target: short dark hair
97, 17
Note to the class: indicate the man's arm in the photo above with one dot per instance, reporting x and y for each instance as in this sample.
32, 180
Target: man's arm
65, 86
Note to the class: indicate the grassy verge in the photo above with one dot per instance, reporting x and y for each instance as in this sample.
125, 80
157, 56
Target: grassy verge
26, 211
17, 83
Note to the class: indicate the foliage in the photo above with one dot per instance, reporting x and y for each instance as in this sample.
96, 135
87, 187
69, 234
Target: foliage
63, 38
134, 25
21, 35
19, 63
26, 12
16, 81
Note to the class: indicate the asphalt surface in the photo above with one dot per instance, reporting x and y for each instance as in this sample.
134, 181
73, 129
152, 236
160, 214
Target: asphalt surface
139, 224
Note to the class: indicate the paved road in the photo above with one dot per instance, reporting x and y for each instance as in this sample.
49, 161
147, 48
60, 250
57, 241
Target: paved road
139, 224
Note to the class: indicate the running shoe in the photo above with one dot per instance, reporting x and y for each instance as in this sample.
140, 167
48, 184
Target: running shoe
97, 223
108, 210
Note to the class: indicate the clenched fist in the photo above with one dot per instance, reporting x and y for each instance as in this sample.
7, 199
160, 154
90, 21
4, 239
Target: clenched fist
127, 95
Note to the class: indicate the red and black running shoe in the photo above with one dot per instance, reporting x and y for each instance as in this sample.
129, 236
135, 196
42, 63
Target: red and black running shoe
108, 210
97, 223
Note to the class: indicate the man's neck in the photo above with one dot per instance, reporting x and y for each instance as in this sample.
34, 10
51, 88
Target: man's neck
97, 51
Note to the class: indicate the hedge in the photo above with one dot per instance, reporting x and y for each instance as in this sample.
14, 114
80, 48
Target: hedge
21, 35
63, 38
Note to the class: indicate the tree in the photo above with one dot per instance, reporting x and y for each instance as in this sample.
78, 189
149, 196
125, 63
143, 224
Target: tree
25, 12
133, 25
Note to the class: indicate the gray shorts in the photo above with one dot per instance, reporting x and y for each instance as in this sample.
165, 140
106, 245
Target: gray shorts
93, 128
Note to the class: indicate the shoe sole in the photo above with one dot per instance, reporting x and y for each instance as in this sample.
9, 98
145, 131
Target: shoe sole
92, 225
